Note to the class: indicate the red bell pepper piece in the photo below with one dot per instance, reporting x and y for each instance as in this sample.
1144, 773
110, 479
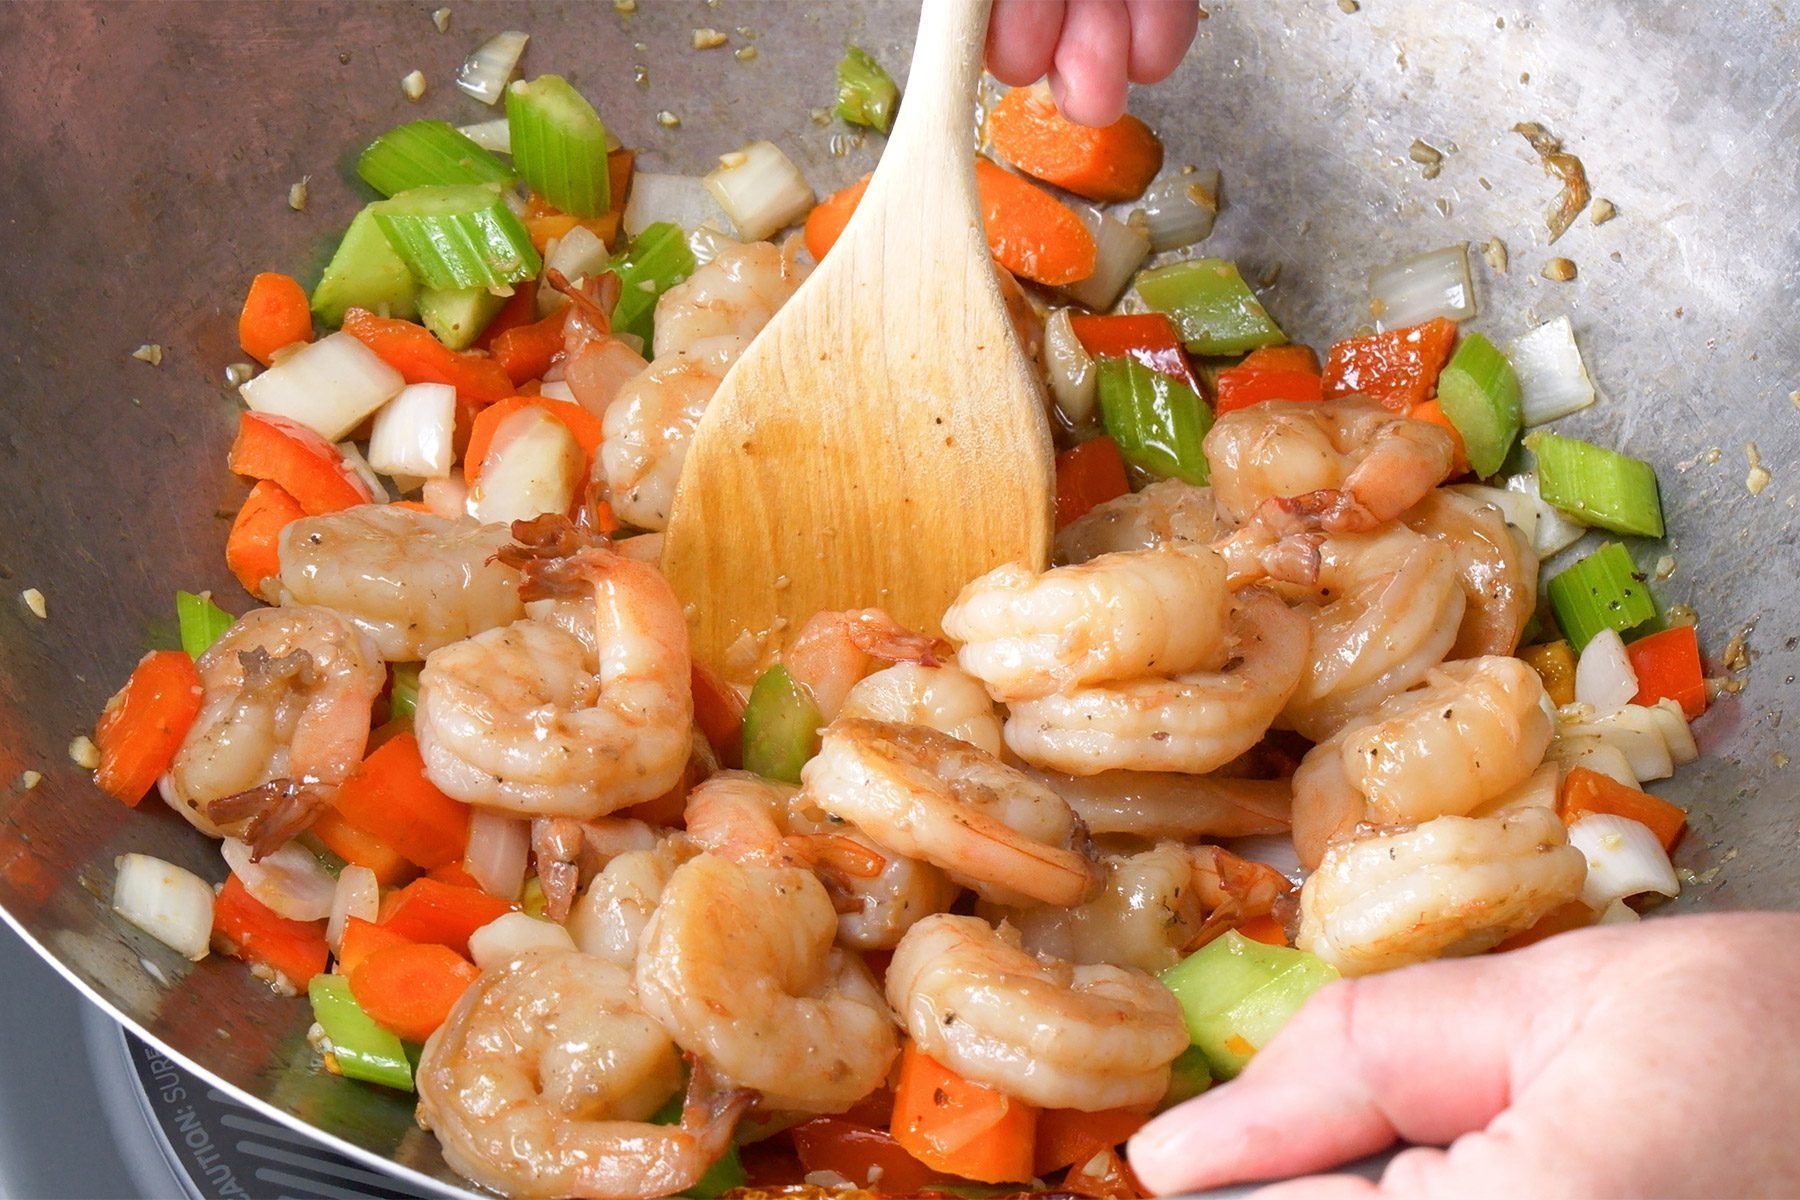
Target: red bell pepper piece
1087, 475
1150, 338
1399, 368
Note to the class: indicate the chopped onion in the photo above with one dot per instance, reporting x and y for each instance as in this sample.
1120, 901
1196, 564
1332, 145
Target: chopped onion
1633, 729
1555, 529
1604, 678
557, 390
329, 386
534, 467
171, 904
1073, 379
488, 70
1520, 511
1414, 290
1120, 250
760, 189
1179, 211
1553, 381
707, 240
1673, 725
1274, 850
292, 880
1596, 754
359, 466
1619, 913
358, 895
495, 135
498, 849
507, 937
447, 497
1624, 859
415, 431
577, 253
682, 200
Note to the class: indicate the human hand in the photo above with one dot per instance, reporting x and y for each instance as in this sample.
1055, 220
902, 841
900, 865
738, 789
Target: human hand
1654, 1060
1089, 48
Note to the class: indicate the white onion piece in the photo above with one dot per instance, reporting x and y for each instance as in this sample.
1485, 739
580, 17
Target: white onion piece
1555, 529
507, 937
1272, 849
357, 464
414, 433
534, 467
682, 200
760, 189
1596, 754
1119, 250
558, 390
488, 70
1414, 290
292, 880
1553, 381
329, 386
1631, 728
1619, 913
1074, 382
577, 254
358, 895
707, 240
1520, 511
1673, 724
1179, 211
495, 135
498, 849
447, 497
1604, 677
1624, 859
171, 904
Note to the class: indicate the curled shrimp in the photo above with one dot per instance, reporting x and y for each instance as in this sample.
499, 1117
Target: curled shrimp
874, 909
947, 699
595, 363
1168, 512
1495, 564
1477, 729
650, 424
1453, 885
578, 710
733, 295
542, 1082
1052, 1033
744, 818
411, 581
284, 718
1191, 723
1026, 634
608, 920
1157, 804
738, 964
925, 795
835, 650
1342, 466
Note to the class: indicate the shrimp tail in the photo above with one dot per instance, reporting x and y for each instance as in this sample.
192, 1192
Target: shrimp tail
880, 636
712, 1108
556, 845
277, 810
1236, 890
1256, 552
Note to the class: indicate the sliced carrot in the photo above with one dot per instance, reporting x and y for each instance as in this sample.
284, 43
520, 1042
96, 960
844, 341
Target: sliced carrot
411, 989
454, 874
1069, 1137
719, 712
1266, 930
389, 798
142, 726
527, 351
829, 216
1114, 162
276, 314
253, 547
959, 1127
1432, 413
1572, 914
244, 927
1399, 368
1240, 387
415, 352
577, 420
363, 849
308, 468
862, 1154
1585, 792
1087, 475
362, 938
1282, 358
426, 910
1668, 668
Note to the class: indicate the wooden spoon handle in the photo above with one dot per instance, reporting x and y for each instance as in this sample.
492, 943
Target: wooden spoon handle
930, 139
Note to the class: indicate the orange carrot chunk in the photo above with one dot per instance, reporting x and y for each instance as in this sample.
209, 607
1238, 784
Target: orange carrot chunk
411, 989
388, 797
1585, 792
959, 1127
1432, 413
308, 468
362, 938
1068, 1137
1115, 162
275, 315
426, 910
141, 727
253, 548
1668, 668
351, 844
244, 927
830, 215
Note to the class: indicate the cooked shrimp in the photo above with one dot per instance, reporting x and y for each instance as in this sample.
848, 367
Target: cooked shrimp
735, 294
1477, 729
543, 1080
874, 910
578, 710
1026, 634
284, 719
738, 964
1495, 564
412, 581
1157, 804
1454, 885
744, 818
1191, 723
609, 919
595, 364
1049, 1032
650, 423
926, 795
835, 650
1341, 466
1169, 512
947, 699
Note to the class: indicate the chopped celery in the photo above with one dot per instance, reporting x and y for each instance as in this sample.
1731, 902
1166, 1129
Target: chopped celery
363, 1049
657, 259
365, 272
427, 154
866, 93
781, 727
724, 1175
1479, 392
1597, 485
458, 237
1236, 994
201, 621
559, 145
1605, 590
1188, 1077
1212, 306
458, 317
403, 693
1158, 422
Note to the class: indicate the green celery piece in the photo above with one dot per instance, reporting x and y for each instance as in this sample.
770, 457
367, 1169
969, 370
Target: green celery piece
559, 145
458, 317
1605, 590
657, 259
458, 237
1158, 422
202, 622
1236, 994
403, 691
1211, 305
363, 1049
866, 93
427, 154
1188, 1077
1599, 486
1479, 392
724, 1175
365, 272
781, 727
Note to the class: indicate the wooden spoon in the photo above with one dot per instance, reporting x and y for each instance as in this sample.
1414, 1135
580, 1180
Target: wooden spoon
883, 441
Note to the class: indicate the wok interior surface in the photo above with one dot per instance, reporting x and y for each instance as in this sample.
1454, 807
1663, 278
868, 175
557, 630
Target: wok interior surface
149, 154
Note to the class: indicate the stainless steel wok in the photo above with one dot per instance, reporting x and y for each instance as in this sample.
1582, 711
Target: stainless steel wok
147, 156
